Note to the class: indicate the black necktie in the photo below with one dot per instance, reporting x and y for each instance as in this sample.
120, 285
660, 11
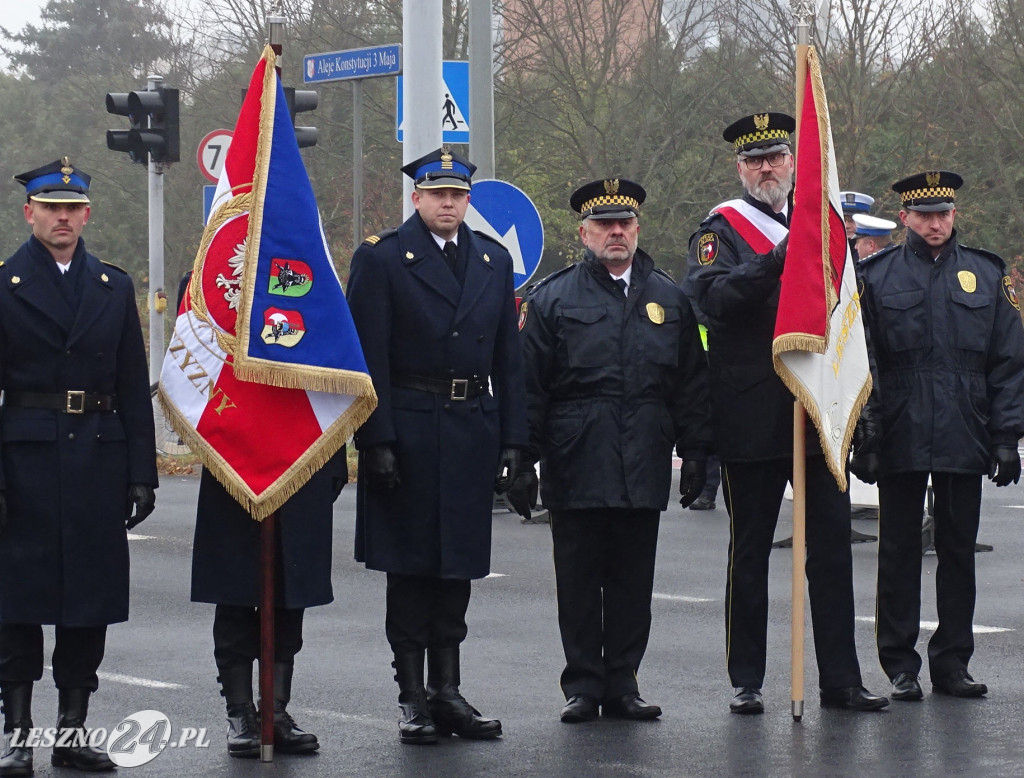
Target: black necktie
621, 283
450, 254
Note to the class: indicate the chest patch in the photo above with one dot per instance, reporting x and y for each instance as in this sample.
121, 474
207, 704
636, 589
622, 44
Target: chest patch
1009, 294
707, 248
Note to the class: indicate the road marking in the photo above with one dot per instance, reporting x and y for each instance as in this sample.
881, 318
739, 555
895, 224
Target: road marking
679, 598
496, 575
131, 680
931, 626
133, 536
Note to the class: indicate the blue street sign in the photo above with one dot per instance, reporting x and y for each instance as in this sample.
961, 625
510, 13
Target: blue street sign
454, 110
208, 192
503, 211
352, 63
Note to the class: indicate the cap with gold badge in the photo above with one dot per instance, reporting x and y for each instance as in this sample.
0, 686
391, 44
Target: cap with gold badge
441, 169
58, 182
608, 198
931, 191
760, 134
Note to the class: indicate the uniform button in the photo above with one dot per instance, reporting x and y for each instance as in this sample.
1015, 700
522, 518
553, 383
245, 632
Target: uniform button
480, 339
455, 334
67, 353
447, 406
475, 406
71, 436
451, 372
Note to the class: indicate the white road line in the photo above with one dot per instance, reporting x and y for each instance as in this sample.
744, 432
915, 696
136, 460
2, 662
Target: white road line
679, 598
931, 626
131, 680
496, 575
133, 536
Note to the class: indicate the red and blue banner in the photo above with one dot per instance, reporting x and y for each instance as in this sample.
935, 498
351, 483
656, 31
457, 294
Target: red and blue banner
264, 377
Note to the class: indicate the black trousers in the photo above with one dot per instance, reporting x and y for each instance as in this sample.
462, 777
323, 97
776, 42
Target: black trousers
604, 573
957, 514
753, 496
77, 653
425, 612
236, 635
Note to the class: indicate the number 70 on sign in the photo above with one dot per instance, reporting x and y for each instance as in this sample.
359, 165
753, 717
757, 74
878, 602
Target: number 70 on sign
211, 153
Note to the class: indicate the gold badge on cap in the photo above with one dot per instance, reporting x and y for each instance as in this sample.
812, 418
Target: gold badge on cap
1008, 292
611, 186
446, 160
761, 121
66, 170
655, 313
932, 178
967, 280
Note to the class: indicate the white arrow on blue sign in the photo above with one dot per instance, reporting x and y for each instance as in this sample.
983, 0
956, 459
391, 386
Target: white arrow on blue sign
503, 211
454, 110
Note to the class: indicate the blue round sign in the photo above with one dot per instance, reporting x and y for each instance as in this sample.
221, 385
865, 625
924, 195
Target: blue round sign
504, 212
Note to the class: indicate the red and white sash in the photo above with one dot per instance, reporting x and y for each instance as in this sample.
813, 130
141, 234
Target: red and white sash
757, 228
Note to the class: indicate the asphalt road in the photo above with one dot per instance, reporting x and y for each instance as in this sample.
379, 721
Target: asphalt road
344, 691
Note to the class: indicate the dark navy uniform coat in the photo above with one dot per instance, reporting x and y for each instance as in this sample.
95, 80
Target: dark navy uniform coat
737, 295
413, 319
948, 350
226, 553
613, 382
64, 553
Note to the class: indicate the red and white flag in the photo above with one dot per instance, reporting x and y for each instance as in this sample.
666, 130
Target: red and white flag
820, 350
264, 378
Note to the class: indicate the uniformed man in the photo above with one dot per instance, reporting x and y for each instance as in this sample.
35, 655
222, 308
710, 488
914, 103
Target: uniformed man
615, 378
433, 302
78, 455
872, 234
948, 403
854, 203
226, 572
735, 262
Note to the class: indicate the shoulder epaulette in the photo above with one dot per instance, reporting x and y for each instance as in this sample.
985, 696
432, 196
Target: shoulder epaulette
662, 271
373, 240
547, 279
491, 238
987, 254
880, 253
116, 267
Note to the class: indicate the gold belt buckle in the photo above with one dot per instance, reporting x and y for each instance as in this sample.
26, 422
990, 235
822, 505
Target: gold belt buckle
70, 406
457, 385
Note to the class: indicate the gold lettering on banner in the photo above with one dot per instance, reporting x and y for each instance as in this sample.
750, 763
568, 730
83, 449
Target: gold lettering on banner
194, 377
849, 319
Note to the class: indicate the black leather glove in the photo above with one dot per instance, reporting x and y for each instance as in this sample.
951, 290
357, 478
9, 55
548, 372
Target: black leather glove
865, 462
143, 499
3, 510
381, 466
778, 254
865, 466
509, 465
1005, 465
522, 492
692, 477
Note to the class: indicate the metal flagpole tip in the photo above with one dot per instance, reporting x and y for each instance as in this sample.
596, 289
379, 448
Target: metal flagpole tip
267, 753
798, 710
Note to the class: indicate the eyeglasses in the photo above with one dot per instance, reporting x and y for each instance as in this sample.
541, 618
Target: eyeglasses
775, 160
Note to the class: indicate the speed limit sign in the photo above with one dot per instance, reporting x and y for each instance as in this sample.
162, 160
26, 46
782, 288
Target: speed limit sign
211, 153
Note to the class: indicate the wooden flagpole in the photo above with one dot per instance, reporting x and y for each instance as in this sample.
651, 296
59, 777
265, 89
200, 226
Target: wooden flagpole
267, 536
804, 14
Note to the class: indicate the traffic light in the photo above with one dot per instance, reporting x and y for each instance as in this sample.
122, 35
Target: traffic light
154, 128
300, 101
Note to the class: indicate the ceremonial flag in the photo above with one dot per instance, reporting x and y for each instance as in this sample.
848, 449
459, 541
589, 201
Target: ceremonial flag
264, 378
820, 351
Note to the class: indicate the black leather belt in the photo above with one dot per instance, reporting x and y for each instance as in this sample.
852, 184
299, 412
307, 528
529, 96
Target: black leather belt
453, 388
66, 402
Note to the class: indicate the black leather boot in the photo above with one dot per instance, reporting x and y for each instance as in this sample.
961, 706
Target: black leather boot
17, 699
288, 738
415, 726
243, 723
72, 708
448, 708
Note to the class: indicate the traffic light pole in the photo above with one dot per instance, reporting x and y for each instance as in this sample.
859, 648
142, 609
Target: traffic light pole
157, 296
